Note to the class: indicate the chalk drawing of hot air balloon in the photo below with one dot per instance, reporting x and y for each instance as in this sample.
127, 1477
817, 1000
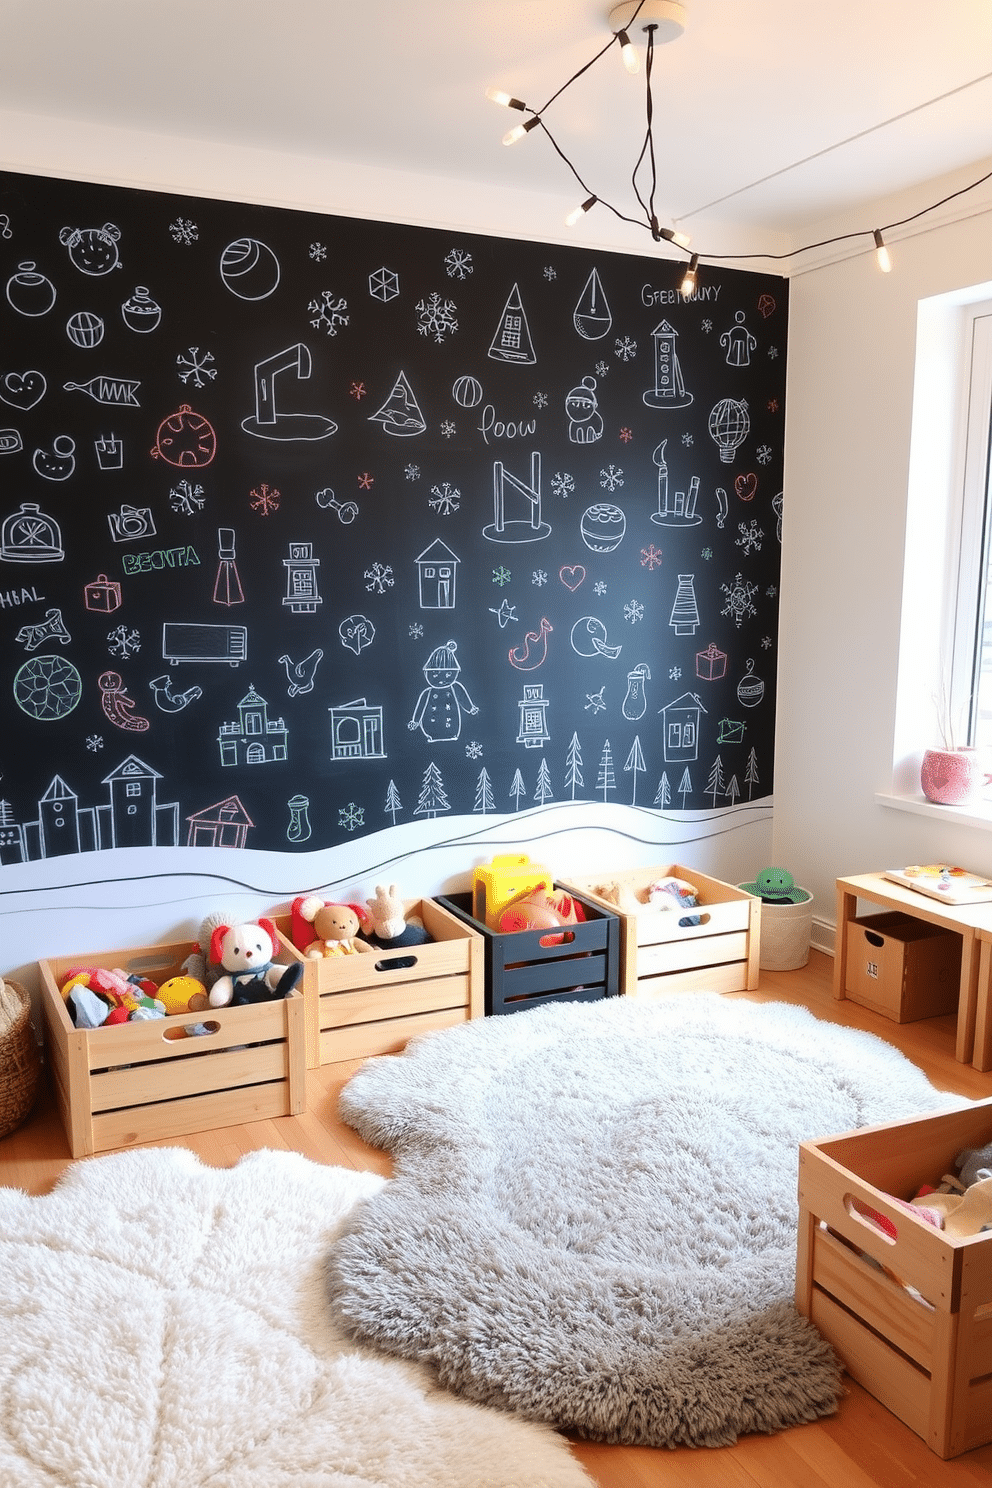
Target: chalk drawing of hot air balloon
729, 426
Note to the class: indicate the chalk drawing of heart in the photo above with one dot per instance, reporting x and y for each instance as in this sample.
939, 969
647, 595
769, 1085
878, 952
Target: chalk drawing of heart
571, 576
22, 389
746, 485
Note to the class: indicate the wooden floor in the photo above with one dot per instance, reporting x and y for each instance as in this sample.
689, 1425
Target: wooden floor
860, 1446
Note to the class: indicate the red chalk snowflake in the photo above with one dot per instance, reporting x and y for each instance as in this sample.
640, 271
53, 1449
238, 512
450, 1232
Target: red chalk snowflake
265, 500
651, 557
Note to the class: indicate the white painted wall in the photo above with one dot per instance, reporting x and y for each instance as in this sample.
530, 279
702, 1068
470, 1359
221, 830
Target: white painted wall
848, 479
138, 897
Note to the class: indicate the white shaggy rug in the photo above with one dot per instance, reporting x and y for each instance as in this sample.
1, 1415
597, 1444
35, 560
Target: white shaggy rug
163, 1325
593, 1218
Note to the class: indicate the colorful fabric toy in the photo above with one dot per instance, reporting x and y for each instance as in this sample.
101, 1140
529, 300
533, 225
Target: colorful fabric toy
249, 974
389, 927
541, 910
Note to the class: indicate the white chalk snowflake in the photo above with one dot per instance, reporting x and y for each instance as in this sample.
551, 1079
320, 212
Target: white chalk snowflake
740, 596
437, 318
562, 484
599, 587
539, 577
773, 352
750, 536
633, 611
611, 477
123, 642
550, 273
501, 576
706, 553
674, 673
473, 750
624, 348
186, 498
772, 590
351, 817
540, 400
595, 701
706, 325
380, 577
445, 499
766, 642
602, 368
412, 472
265, 499
94, 742
318, 252
416, 630
194, 366
184, 231
327, 313
459, 264
448, 428
764, 454
688, 440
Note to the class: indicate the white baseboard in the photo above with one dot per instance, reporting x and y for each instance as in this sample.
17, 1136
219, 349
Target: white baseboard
823, 936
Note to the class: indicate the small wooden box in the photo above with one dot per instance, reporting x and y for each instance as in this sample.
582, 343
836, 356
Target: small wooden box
931, 1365
373, 1002
579, 963
145, 1081
658, 955
903, 968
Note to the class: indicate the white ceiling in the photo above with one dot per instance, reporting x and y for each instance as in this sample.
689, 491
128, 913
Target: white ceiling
825, 105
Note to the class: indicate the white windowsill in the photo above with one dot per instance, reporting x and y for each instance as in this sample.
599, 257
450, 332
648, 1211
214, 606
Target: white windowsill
976, 814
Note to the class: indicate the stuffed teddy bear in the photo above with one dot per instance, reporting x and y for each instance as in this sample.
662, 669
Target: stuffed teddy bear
390, 927
321, 929
249, 974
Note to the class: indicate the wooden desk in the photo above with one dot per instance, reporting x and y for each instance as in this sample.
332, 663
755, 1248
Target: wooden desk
971, 921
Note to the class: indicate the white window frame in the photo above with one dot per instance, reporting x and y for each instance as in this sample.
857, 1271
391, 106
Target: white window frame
969, 600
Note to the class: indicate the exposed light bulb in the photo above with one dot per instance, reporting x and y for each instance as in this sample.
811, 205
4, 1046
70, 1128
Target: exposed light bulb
505, 100
577, 212
688, 284
519, 130
882, 253
680, 239
629, 53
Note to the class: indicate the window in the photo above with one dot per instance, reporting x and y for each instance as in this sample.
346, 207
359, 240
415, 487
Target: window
970, 700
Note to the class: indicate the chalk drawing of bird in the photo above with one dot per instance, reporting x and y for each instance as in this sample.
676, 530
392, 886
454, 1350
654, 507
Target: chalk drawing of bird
300, 674
169, 701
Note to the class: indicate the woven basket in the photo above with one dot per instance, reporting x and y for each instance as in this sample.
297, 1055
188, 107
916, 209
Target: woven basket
785, 931
20, 1064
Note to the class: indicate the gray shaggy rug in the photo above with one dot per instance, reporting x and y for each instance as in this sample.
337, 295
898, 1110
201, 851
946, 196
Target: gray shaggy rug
593, 1218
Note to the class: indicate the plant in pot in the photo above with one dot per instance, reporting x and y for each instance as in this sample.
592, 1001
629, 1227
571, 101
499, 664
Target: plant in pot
954, 773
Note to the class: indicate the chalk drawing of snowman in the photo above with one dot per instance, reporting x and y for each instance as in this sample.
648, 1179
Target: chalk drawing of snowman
438, 713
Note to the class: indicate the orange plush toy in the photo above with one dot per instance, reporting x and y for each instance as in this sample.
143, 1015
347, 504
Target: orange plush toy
541, 910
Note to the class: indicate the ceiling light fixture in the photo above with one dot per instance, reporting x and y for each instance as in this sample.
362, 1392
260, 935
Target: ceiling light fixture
655, 23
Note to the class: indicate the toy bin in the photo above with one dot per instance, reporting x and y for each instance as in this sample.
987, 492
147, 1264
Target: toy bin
926, 1357
901, 967
578, 963
372, 1003
658, 955
145, 1081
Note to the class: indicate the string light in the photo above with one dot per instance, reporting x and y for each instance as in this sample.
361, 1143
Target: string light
882, 253
657, 22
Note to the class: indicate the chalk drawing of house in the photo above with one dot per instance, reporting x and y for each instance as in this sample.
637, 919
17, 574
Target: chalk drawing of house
681, 729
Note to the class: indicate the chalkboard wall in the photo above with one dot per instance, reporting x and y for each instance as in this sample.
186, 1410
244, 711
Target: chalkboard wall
310, 526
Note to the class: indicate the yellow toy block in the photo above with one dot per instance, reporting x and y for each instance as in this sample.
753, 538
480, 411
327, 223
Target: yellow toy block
508, 876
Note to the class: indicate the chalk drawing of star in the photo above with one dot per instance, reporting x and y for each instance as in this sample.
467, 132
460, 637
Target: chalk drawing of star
504, 614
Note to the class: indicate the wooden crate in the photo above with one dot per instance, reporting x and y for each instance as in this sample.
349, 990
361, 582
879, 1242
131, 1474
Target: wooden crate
145, 1081
658, 955
373, 1003
903, 968
525, 968
931, 1365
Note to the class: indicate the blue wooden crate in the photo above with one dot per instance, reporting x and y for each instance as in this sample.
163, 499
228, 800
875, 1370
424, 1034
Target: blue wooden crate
524, 969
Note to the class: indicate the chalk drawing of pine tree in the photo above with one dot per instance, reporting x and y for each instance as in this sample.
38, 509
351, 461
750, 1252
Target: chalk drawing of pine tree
685, 785
635, 762
393, 802
544, 791
715, 783
751, 774
432, 796
733, 790
606, 781
573, 766
483, 793
517, 788
664, 792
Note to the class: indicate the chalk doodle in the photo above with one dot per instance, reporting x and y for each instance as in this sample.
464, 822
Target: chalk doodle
603, 526
684, 618
170, 701
30, 536
532, 730
722, 506
669, 389
356, 633
467, 392
10, 441
302, 596
194, 366
512, 342
572, 576
356, 730
635, 703
118, 706
740, 600
437, 572
51, 628
675, 508
85, 329
437, 317
47, 688
268, 422
592, 316
533, 650
264, 499
109, 452
635, 764
299, 829
185, 439
141, 313
588, 638
255, 738
484, 793
301, 675
393, 802
738, 342
192, 642
346, 511
93, 250
433, 797
227, 582
30, 292
131, 523
327, 313
23, 390
504, 614
58, 463
750, 689
605, 779
745, 486
249, 269
124, 641
729, 425
116, 390
544, 791
400, 414
585, 422
438, 711
380, 578
680, 731
595, 702
384, 285
517, 505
